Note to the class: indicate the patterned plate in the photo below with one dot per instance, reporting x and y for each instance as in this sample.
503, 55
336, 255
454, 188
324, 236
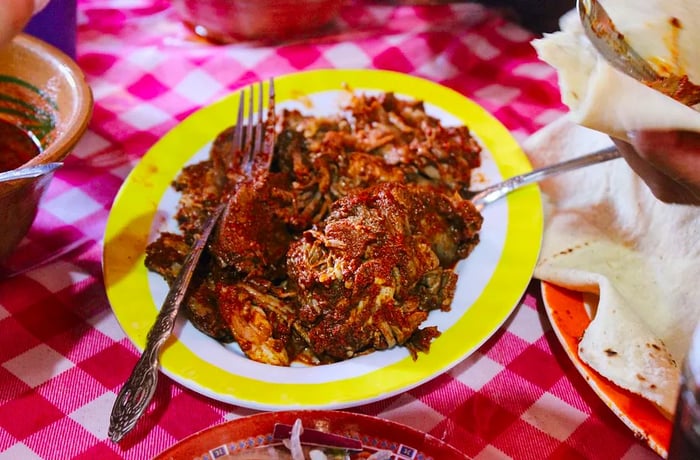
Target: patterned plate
255, 431
491, 280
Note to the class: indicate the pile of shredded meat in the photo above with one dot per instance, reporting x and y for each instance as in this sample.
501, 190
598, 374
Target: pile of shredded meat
341, 246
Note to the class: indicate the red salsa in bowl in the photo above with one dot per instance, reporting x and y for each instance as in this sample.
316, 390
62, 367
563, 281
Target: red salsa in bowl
45, 107
17, 146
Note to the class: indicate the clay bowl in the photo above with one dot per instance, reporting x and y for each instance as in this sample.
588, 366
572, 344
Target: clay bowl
225, 21
43, 92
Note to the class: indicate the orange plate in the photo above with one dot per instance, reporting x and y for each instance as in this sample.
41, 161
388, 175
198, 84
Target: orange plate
569, 319
256, 430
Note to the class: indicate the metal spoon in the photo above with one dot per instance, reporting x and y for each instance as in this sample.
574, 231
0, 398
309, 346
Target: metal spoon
29, 172
611, 44
482, 198
606, 39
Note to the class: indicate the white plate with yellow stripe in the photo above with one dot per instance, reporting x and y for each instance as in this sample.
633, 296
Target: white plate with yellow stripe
491, 280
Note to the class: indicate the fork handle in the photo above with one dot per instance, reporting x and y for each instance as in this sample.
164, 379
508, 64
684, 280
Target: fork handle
497, 191
138, 390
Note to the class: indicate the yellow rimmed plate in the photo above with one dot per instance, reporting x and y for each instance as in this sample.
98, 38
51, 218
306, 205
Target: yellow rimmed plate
491, 280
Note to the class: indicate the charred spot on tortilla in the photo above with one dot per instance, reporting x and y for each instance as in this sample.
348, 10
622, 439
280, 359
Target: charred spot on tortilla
571, 249
567, 251
610, 352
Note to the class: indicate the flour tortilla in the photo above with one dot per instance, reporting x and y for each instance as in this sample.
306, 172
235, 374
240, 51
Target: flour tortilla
605, 99
606, 235
638, 258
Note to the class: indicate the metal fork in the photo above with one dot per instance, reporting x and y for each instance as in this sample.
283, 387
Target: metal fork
256, 148
255, 145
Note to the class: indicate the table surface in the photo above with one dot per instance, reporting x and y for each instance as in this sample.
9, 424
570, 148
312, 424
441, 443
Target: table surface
63, 355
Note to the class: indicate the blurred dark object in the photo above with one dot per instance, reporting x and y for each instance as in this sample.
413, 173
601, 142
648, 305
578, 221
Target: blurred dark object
56, 25
225, 21
537, 15
685, 439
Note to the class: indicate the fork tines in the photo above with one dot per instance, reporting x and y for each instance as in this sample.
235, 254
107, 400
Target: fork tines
254, 139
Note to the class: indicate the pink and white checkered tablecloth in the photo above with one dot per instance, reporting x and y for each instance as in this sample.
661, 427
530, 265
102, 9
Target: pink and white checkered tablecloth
63, 357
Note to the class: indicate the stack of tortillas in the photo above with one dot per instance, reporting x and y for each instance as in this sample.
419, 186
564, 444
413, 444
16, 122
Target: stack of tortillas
605, 233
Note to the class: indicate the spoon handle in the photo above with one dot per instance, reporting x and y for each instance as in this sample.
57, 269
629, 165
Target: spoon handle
29, 172
490, 194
